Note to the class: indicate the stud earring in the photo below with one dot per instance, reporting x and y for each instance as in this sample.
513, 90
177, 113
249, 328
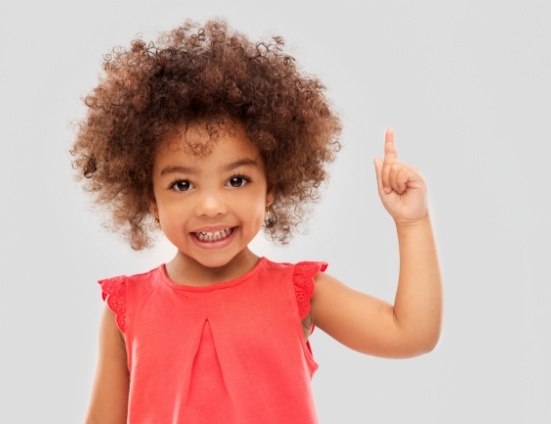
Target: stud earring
269, 219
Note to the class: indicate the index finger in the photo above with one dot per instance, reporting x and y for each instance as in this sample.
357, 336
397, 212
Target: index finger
390, 146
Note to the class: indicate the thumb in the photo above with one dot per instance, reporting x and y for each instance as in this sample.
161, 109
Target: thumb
379, 173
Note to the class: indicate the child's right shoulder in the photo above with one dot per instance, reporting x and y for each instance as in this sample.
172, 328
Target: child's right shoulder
118, 281
114, 291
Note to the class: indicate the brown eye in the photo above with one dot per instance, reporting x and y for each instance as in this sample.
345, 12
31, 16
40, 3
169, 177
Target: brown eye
238, 181
181, 185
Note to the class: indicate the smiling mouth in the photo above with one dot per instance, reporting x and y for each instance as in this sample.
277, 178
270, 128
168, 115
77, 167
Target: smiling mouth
215, 236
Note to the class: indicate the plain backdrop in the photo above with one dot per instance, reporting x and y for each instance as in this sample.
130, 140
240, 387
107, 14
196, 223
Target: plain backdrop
467, 87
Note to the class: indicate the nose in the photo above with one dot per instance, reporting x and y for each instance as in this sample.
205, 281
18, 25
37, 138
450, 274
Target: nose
210, 203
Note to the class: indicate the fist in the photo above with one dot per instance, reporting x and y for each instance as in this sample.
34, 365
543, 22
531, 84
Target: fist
402, 189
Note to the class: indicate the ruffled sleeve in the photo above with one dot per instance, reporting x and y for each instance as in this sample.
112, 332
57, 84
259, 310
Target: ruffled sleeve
113, 291
303, 280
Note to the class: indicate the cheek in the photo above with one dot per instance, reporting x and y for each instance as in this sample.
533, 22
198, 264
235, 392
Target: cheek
170, 213
253, 207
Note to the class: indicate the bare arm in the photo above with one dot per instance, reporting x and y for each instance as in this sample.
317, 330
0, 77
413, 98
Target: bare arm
109, 400
412, 325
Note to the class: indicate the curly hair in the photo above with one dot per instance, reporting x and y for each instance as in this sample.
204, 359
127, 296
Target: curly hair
192, 73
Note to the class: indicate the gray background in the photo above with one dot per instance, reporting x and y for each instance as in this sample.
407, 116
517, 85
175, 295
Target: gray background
466, 85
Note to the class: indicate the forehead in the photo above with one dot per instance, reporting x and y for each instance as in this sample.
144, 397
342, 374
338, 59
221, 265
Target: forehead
200, 140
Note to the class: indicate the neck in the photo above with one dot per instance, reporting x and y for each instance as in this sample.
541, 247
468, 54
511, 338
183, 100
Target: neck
187, 271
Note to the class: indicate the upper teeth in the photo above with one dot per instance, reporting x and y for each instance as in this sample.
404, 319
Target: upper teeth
217, 235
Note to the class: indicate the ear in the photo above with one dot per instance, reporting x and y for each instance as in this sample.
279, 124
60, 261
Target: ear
270, 197
153, 207
155, 212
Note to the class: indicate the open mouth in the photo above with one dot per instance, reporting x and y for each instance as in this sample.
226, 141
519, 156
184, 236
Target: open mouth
214, 236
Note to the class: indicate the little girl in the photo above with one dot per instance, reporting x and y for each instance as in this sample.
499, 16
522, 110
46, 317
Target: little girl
209, 137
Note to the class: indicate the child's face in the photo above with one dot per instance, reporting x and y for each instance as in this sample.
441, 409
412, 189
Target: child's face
210, 207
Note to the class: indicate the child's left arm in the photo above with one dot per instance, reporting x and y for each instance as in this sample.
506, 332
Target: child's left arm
412, 325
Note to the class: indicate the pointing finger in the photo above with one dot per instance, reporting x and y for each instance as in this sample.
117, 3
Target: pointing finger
390, 146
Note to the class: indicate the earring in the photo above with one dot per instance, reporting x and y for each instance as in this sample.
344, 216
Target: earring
269, 219
157, 222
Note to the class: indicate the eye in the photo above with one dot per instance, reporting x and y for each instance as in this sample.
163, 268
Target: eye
181, 185
238, 181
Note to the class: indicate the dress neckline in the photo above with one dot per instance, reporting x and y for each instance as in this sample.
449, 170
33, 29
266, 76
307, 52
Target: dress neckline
217, 286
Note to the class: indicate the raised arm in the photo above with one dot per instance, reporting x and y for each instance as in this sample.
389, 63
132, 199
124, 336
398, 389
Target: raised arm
109, 400
411, 326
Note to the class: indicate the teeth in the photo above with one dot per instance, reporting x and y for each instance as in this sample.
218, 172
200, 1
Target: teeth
218, 235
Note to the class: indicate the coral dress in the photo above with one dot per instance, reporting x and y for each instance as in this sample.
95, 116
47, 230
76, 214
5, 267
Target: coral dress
232, 352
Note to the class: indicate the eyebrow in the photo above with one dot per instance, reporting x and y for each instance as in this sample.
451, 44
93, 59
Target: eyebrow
228, 167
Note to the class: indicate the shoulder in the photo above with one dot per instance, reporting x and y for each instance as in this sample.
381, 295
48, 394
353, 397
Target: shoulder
114, 291
301, 267
119, 282
306, 274
304, 282
302, 273
302, 276
117, 285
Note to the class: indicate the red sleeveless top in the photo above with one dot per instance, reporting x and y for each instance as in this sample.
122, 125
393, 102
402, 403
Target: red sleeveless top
233, 352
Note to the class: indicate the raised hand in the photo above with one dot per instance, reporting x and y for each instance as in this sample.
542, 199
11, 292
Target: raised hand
402, 189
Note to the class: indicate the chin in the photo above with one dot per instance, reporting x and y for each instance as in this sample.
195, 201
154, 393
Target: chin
215, 260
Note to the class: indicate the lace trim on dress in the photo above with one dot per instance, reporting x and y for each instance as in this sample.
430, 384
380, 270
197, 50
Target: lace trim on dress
303, 280
114, 293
